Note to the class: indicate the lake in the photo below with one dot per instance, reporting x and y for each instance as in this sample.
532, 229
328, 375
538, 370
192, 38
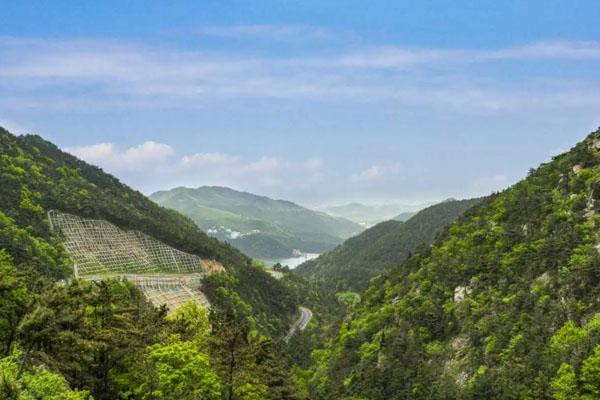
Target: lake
291, 262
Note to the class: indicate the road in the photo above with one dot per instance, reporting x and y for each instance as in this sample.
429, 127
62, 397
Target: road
300, 324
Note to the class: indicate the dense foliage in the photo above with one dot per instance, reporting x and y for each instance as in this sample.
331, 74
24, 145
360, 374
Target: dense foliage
36, 177
259, 226
74, 339
504, 305
351, 265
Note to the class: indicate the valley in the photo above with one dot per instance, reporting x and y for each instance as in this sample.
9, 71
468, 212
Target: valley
300, 200
259, 226
291, 262
470, 293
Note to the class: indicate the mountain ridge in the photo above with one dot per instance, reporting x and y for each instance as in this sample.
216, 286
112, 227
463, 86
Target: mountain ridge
351, 265
258, 225
505, 304
37, 177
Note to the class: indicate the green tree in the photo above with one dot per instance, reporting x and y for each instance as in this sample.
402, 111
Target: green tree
348, 299
180, 371
564, 384
195, 320
590, 373
34, 384
13, 301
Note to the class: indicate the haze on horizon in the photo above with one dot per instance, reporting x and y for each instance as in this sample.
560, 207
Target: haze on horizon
315, 103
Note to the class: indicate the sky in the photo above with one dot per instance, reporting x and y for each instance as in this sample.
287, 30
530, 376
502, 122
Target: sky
318, 102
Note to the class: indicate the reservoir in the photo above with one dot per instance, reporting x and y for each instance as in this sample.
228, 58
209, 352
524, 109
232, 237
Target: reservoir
291, 262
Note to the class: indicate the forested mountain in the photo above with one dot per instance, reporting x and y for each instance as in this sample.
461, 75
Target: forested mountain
504, 305
351, 265
257, 225
105, 338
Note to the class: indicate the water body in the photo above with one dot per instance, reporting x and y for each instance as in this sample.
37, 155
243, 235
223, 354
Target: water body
291, 262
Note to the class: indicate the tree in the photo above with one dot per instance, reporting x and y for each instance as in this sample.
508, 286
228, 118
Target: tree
13, 300
195, 321
180, 371
231, 351
590, 373
38, 383
564, 384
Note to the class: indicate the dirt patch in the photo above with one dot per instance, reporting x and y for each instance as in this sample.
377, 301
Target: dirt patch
212, 266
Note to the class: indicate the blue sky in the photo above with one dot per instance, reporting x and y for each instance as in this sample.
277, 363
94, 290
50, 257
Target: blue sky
319, 102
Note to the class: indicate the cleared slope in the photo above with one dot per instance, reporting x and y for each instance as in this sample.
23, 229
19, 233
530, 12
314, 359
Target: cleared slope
36, 177
259, 226
351, 265
504, 305
101, 250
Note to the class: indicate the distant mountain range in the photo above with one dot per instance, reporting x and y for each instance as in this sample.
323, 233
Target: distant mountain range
259, 226
369, 215
351, 265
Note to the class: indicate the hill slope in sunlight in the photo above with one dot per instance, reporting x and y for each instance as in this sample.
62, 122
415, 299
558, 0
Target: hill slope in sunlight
38, 177
259, 226
351, 265
504, 305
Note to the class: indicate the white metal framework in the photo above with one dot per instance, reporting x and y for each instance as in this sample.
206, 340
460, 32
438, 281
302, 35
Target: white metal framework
101, 250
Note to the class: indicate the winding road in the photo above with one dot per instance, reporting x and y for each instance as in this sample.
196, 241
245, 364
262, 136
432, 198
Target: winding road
300, 324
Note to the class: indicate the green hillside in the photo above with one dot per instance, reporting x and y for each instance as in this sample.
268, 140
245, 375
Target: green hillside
259, 226
351, 265
504, 305
65, 338
37, 177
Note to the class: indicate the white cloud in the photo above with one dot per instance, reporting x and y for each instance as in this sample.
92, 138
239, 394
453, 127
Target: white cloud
313, 164
577, 50
107, 155
43, 73
203, 159
266, 31
375, 173
262, 165
150, 160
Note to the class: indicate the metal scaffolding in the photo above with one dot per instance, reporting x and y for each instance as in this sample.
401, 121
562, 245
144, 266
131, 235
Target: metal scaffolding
102, 250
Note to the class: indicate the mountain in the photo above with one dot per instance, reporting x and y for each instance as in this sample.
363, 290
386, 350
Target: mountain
37, 177
369, 215
505, 304
351, 265
405, 216
257, 225
67, 338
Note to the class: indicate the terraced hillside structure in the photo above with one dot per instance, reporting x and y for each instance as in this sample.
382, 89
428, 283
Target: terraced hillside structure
100, 249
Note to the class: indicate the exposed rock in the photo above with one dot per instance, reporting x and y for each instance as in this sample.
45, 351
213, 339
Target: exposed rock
459, 343
544, 278
589, 207
212, 266
460, 292
456, 365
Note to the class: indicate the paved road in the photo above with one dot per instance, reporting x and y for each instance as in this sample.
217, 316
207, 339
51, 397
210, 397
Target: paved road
300, 324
